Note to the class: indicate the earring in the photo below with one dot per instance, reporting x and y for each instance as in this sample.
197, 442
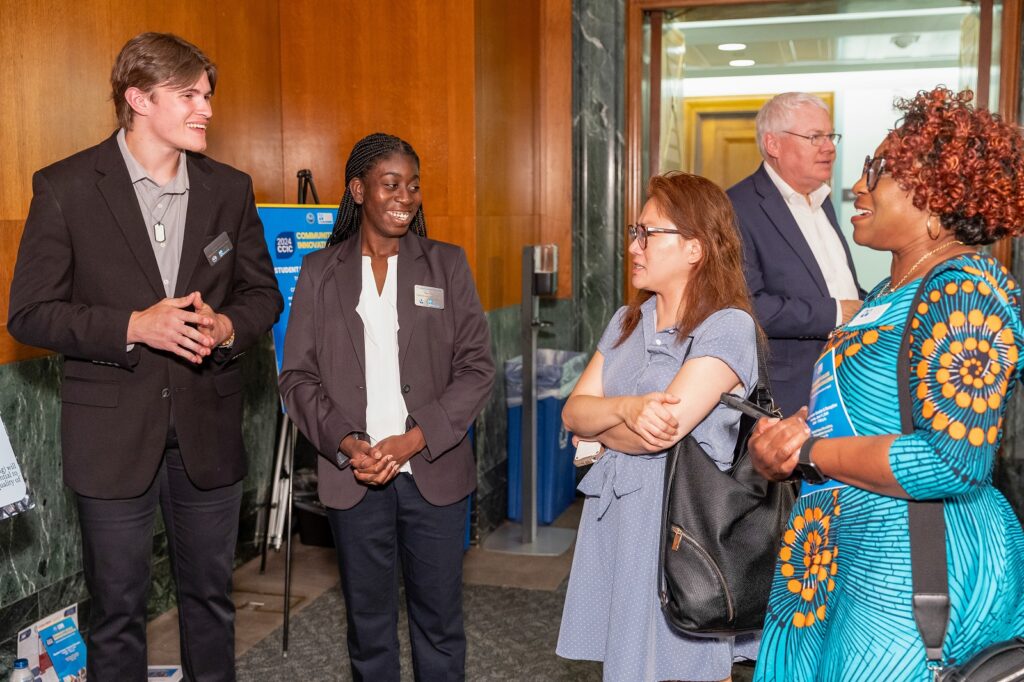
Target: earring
928, 228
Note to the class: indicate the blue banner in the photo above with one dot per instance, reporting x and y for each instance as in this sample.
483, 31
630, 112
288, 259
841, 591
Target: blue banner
292, 231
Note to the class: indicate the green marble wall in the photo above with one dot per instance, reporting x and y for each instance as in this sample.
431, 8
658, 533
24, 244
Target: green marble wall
492, 426
598, 134
40, 553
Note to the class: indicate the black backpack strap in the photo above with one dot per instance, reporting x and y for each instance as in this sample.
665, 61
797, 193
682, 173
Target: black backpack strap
927, 523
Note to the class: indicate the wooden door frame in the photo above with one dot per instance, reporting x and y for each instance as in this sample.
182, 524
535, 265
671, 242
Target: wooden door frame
696, 107
1009, 90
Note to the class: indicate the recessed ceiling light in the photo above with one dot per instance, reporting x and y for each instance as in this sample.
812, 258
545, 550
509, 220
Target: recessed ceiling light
732, 47
742, 62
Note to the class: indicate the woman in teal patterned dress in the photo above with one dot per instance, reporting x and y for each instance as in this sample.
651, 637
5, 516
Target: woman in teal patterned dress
947, 178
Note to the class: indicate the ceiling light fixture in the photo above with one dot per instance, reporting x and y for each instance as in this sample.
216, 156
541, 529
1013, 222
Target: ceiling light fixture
732, 47
742, 62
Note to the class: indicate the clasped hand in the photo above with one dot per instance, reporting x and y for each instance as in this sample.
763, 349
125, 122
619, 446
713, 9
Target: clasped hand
167, 325
774, 445
648, 417
378, 464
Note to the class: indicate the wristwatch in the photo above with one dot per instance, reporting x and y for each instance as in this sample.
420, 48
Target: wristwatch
805, 468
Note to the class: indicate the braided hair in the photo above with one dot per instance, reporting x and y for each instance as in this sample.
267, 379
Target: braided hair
364, 156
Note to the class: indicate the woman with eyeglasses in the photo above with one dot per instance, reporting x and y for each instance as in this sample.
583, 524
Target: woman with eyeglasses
637, 398
947, 179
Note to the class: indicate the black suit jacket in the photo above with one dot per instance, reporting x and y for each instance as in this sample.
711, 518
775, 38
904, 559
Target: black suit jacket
789, 293
444, 358
84, 264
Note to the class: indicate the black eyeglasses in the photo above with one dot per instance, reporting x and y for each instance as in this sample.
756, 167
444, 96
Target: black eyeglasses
874, 167
640, 232
818, 139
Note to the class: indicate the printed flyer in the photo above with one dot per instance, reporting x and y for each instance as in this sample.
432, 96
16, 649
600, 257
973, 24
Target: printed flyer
14, 495
31, 647
66, 648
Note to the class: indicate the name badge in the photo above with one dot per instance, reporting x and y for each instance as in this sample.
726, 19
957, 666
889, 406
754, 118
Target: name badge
868, 315
218, 248
429, 297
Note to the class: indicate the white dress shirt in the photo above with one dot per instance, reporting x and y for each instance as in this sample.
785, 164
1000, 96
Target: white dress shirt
821, 237
386, 412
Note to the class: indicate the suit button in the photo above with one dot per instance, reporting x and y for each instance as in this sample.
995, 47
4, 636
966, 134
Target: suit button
406, 388
361, 388
165, 393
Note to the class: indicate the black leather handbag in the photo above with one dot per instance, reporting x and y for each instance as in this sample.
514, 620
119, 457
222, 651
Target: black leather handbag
721, 533
999, 662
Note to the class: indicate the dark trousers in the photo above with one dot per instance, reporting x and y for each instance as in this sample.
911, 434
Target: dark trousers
394, 523
117, 548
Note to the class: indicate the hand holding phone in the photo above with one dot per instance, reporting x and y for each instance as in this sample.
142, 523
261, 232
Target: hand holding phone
587, 452
745, 406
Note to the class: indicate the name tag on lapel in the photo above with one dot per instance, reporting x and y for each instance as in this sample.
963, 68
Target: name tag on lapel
218, 248
428, 297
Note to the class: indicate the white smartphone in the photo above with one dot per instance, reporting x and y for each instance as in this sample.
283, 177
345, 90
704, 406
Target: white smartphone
587, 452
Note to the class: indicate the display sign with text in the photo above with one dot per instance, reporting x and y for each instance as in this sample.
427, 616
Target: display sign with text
292, 231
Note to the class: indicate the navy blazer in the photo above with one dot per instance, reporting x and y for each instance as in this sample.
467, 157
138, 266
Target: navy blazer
786, 285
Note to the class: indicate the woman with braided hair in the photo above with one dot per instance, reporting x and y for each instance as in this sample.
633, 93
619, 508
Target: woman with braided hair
386, 365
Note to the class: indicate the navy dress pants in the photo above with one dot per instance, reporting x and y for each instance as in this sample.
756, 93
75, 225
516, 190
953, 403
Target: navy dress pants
117, 548
394, 523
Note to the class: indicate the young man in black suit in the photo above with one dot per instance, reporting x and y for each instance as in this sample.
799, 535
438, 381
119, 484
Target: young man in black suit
143, 263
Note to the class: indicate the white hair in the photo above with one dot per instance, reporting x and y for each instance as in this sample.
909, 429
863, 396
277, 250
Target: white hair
777, 114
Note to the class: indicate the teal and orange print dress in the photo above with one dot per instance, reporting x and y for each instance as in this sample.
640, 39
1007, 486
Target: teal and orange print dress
840, 607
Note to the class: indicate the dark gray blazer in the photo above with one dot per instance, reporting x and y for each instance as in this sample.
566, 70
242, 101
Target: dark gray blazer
84, 264
789, 293
444, 358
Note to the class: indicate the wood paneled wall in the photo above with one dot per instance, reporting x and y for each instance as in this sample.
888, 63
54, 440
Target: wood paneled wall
482, 89
55, 60
349, 69
524, 140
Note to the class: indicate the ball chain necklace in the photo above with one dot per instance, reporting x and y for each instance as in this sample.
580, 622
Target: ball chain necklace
889, 288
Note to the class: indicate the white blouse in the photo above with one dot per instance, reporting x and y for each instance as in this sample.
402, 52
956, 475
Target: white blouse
386, 412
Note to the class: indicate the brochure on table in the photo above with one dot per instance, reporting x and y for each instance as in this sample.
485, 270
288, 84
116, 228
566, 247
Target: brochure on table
165, 673
31, 646
66, 648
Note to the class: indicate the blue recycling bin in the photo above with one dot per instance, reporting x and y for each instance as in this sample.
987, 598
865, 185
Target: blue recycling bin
557, 374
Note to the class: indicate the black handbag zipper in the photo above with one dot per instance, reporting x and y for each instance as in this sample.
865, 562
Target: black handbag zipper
679, 534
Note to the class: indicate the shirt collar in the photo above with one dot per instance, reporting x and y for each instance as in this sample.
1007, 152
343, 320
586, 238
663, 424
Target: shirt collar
177, 185
818, 196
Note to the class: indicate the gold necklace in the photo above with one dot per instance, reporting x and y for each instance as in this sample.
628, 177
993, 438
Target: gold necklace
889, 288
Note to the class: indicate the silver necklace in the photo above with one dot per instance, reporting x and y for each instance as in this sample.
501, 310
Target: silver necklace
159, 231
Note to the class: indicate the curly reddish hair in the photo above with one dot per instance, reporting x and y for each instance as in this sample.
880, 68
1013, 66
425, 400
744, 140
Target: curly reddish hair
962, 164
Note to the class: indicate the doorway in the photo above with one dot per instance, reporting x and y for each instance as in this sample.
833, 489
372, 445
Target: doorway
698, 71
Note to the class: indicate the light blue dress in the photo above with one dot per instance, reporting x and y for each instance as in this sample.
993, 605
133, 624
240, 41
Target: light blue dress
840, 608
612, 613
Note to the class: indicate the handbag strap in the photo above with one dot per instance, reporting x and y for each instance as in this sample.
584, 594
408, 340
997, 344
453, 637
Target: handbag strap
763, 392
763, 395
927, 523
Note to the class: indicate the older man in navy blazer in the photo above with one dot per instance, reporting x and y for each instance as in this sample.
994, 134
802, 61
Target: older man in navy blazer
797, 263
